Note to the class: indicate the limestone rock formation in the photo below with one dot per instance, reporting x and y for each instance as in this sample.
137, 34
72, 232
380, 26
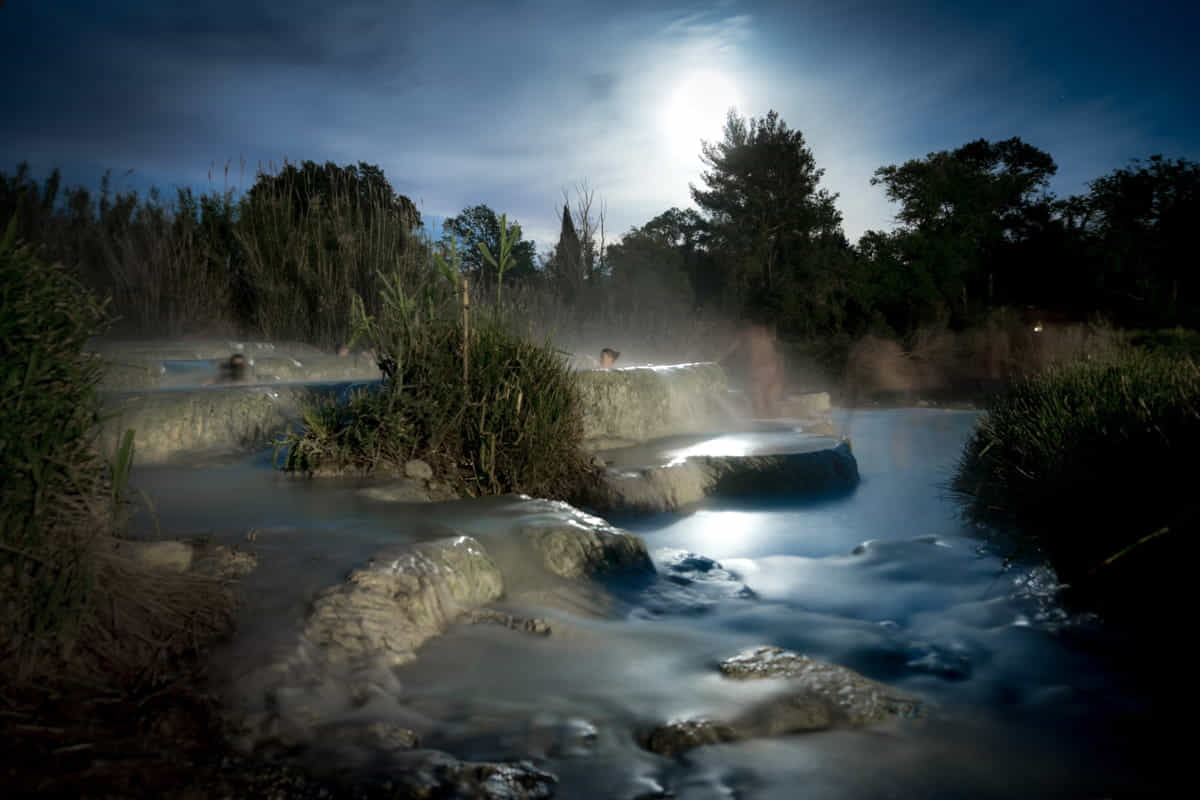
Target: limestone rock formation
817, 696
403, 490
789, 473
417, 469
653, 489
675, 485
535, 626
679, 736
401, 598
428, 774
644, 403
392, 753
570, 543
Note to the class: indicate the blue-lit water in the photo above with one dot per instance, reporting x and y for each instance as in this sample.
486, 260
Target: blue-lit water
1024, 699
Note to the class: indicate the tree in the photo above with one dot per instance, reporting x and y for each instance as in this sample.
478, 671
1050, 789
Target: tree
480, 225
590, 230
962, 213
767, 215
647, 272
567, 265
687, 232
363, 189
1139, 222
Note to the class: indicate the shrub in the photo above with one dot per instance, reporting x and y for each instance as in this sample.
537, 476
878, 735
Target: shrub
312, 239
56, 490
1090, 461
503, 416
73, 609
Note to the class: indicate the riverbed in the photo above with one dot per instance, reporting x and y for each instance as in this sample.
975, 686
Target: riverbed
1022, 698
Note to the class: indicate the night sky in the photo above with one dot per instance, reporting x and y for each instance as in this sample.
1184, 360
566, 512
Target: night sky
510, 103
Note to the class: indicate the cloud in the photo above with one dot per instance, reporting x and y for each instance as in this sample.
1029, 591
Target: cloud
510, 104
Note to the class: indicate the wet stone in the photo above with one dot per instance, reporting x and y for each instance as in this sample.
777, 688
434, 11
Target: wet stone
223, 562
374, 736
677, 737
692, 584
815, 696
583, 546
858, 699
418, 469
531, 625
404, 490
401, 598
170, 556
428, 774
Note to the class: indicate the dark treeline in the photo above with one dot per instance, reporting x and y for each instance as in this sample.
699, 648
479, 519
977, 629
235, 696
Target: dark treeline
977, 231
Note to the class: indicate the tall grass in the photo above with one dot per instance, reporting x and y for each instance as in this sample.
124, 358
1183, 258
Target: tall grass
993, 354
54, 485
281, 262
311, 243
1092, 461
72, 609
511, 422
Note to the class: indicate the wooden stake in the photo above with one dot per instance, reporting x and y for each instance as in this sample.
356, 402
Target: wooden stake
466, 305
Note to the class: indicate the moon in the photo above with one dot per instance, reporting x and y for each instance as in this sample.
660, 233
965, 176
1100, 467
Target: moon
696, 109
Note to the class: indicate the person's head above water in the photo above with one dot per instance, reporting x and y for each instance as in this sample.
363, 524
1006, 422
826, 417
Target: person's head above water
608, 357
234, 369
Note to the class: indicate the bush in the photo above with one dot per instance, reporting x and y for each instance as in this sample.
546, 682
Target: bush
1091, 461
507, 421
1171, 342
56, 491
313, 238
73, 609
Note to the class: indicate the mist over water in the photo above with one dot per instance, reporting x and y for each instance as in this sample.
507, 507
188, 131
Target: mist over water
1023, 698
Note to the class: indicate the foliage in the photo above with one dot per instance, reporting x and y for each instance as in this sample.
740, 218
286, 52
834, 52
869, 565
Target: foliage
512, 423
567, 267
506, 257
313, 239
282, 262
768, 217
479, 225
55, 486
1088, 458
362, 192
1179, 343
978, 233
962, 213
1137, 223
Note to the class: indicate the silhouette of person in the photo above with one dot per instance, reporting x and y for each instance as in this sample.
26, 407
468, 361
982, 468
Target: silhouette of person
764, 369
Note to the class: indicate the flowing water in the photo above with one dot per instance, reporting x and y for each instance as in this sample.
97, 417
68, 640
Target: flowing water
1023, 699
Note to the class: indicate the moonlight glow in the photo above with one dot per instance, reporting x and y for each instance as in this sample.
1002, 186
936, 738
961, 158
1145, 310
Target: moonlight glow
696, 110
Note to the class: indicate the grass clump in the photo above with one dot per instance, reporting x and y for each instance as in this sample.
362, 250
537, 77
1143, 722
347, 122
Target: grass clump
55, 487
491, 411
74, 609
1090, 461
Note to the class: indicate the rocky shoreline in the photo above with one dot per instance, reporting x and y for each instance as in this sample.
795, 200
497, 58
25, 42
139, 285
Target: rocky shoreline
278, 737
272, 732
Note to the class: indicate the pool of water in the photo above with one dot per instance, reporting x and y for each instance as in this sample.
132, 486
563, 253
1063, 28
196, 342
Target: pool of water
1024, 699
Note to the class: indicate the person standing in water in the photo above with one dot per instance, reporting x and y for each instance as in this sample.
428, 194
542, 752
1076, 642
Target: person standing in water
764, 370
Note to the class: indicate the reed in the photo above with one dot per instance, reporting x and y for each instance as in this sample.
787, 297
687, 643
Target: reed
1090, 462
509, 423
73, 609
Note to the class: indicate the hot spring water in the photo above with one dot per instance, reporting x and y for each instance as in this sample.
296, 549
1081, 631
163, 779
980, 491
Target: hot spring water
886, 580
